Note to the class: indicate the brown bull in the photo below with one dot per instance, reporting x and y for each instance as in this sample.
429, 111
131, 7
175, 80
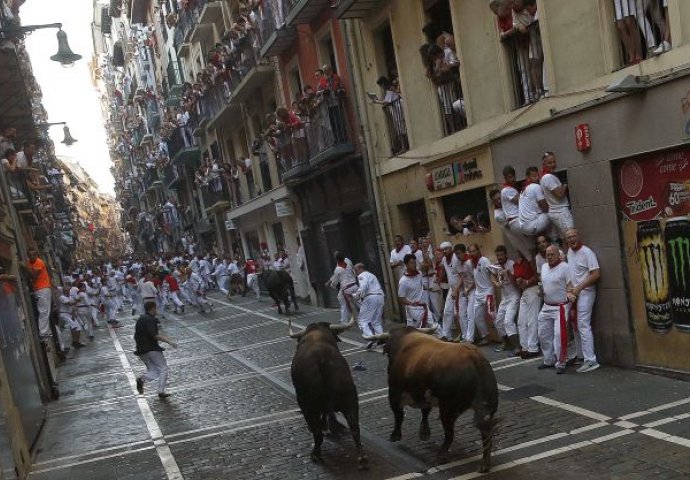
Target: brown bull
425, 372
324, 385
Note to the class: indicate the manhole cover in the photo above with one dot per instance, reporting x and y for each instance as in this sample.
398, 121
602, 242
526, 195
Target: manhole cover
525, 391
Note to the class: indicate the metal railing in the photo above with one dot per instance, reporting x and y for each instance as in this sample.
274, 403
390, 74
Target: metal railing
186, 19
180, 139
273, 17
215, 190
451, 104
172, 174
526, 57
327, 124
153, 117
397, 128
643, 30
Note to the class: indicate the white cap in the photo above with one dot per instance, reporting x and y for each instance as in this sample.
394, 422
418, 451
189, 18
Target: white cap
445, 245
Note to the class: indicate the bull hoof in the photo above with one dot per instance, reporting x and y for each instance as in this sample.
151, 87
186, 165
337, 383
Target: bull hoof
316, 458
363, 463
483, 468
424, 433
395, 437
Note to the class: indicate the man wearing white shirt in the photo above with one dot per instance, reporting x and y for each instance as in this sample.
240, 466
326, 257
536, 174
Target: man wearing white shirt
585, 274
552, 326
370, 296
503, 277
25, 157
483, 296
510, 203
556, 195
397, 255
220, 273
345, 281
532, 205
411, 294
452, 309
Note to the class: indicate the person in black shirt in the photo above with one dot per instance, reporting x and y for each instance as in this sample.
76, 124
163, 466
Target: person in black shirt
146, 336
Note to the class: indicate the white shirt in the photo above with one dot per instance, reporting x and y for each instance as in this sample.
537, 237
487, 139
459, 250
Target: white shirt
232, 268
368, 285
482, 277
204, 267
411, 288
512, 210
500, 216
399, 256
65, 304
581, 263
221, 270
83, 300
344, 276
22, 161
194, 281
508, 287
555, 283
452, 271
282, 264
540, 260
549, 182
147, 289
529, 207
467, 275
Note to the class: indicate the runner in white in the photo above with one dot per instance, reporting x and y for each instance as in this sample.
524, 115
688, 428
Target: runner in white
484, 300
503, 277
556, 195
411, 294
370, 295
533, 207
345, 281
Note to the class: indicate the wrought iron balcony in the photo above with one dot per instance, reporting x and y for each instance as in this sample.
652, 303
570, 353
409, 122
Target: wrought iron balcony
173, 175
276, 36
181, 148
216, 193
397, 128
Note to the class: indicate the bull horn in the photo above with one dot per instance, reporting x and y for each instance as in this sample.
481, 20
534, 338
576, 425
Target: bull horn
428, 330
342, 328
379, 337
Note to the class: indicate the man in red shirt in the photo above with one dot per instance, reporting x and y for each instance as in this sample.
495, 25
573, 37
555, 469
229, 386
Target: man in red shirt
41, 291
174, 292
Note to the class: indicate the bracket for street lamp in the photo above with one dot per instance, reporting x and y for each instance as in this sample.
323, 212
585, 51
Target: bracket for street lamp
64, 56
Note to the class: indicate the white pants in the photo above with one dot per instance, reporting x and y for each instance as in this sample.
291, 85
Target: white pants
223, 281
530, 303
70, 321
562, 220
370, 313
451, 311
84, 318
466, 313
418, 317
111, 309
584, 338
482, 305
94, 315
505, 317
44, 298
137, 304
436, 304
535, 227
176, 299
521, 243
553, 334
253, 283
347, 303
156, 368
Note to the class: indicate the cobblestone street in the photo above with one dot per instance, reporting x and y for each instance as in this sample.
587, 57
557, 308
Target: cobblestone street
233, 415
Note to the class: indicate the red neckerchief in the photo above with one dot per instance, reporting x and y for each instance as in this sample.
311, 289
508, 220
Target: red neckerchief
526, 182
397, 249
408, 274
508, 185
544, 171
577, 247
342, 264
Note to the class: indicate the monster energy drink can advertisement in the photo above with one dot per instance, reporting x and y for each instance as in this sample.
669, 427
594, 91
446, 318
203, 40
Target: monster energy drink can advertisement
677, 234
652, 256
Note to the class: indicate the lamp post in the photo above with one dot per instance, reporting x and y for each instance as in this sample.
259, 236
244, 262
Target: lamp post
64, 56
68, 140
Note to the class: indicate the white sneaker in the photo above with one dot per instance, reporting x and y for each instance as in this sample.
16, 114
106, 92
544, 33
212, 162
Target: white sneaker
588, 367
663, 47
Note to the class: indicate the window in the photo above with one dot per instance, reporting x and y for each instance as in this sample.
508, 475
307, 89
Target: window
295, 82
468, 209
279, 235
326, 52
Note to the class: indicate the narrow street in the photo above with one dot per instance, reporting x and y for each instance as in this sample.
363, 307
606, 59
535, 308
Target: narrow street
233, 414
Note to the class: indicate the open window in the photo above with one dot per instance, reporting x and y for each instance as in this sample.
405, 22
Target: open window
643, 29
467, 212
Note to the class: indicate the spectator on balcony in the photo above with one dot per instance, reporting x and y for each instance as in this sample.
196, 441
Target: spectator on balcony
289, 125
628, 31
7, 138
9, 161
392, 108
182, 119
42, 291
331, 90
504, 16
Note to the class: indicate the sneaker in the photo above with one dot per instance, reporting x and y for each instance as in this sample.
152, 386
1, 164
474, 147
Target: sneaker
371, 345
663, 47
482, 341
163, 395
588, 367
500, 348
544, 366
560, 370
575, 361
526, 355
140, 386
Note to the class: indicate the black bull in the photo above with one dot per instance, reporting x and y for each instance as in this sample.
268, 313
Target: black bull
281, 288
323, 384
424, 372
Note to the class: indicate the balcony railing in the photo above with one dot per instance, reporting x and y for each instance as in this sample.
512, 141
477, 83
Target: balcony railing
153, 117
180, 140
397, 129
526, 58
173, 174
323, 136
276, 36
451, 104
186, 20
215, 192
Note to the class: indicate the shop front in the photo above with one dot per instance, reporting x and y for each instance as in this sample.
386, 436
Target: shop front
653, 206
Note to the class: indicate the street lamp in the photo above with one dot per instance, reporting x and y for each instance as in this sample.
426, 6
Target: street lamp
64, 56
68, 140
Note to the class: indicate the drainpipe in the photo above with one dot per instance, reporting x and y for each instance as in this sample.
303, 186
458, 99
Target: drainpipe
371, 173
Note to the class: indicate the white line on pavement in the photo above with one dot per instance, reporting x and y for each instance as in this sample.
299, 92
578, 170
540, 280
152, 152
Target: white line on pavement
170, 466
664, 421
125, 446
571, 408
650, 432
658, 408
95, 459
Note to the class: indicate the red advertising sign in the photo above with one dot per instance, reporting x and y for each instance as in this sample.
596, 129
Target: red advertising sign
583, 139
655, 185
